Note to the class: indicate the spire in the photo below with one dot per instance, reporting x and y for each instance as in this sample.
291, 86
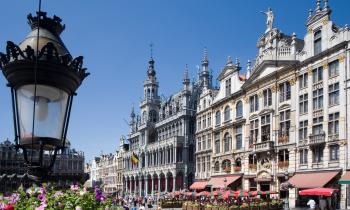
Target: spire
325, 6
249, 63
318, 5
151, 72
310, 13
205, 61
132, 114
237, 63
229, 60
186, 79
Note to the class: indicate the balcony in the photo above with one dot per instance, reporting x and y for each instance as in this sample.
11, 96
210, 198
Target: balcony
263, 146
316, 139
252, 167
237, 169
283, 164
283, 138
333, 137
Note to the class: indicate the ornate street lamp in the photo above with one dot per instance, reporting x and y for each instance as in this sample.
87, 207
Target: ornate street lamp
43, 77
286, 203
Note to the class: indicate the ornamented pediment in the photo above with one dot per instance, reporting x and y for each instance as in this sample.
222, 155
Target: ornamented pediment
264, 175
284, 106
265, 111
253, 116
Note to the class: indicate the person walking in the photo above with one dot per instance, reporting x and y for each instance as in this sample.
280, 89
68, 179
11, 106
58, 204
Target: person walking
311, 203
323, 203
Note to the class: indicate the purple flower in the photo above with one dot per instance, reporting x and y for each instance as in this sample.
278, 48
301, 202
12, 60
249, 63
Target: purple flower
74, 187
58, 194
41, 207
98, 195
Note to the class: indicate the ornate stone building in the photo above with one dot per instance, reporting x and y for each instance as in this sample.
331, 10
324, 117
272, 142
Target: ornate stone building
163, 136
284, 119
106, 171
68, 167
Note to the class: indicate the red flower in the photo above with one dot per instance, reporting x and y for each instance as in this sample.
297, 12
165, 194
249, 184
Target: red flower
9, 207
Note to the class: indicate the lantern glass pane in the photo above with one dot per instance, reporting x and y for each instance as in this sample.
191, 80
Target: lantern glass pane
49, 115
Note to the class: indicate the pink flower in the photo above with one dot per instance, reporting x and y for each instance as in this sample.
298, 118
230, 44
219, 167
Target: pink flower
41, 207
74, 187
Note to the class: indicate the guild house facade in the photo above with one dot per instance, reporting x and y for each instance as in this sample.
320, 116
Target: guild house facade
285, 120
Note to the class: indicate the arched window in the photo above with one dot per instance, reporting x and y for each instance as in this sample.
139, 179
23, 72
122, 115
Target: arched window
153, 117
238, 165
227, 113
226, 166
227, 142
217, 118
217, 166
239, 109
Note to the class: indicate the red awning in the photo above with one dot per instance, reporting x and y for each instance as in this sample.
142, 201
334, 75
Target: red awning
199, 185
219, 182
318, 191
312, 179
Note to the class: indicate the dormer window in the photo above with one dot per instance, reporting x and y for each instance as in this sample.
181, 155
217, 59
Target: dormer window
228, 87
317, 42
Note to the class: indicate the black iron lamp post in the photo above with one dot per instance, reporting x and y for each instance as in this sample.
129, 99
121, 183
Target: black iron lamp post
286, 202
43, 77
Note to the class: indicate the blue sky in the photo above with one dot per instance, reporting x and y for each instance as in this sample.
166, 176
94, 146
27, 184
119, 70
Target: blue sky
114, 37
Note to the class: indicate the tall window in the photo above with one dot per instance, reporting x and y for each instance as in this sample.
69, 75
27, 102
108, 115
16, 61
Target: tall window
239, 137
227, 142
209, 141
303, 81
203, 164
317, 99
303, 104
317, 74
303, 156
239, 109
227, 113
204, 104
303, 130
284, 123
334, 152
333, 123
317, 42
284, 91
199, 124
267, 97
333, 92
199, 144
217, 143
317, 127
228, 87
265, 127
209, 120
333, 68
254, 131
217, 118
208, 163
254, 103
198, 165
317, 154
204, 142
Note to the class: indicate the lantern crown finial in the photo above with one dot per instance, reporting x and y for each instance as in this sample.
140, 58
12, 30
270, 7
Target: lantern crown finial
51, 24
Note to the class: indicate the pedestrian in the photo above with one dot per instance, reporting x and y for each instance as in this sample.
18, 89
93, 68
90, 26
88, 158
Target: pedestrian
311, 203
323, 203
142, 207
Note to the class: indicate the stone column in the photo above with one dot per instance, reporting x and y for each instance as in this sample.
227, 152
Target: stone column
174, 182
140, 186
152, 188
175, 155
158, 183
166, 183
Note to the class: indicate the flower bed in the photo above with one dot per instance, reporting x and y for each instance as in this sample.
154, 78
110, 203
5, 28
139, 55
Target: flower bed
46, 197
172, 204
